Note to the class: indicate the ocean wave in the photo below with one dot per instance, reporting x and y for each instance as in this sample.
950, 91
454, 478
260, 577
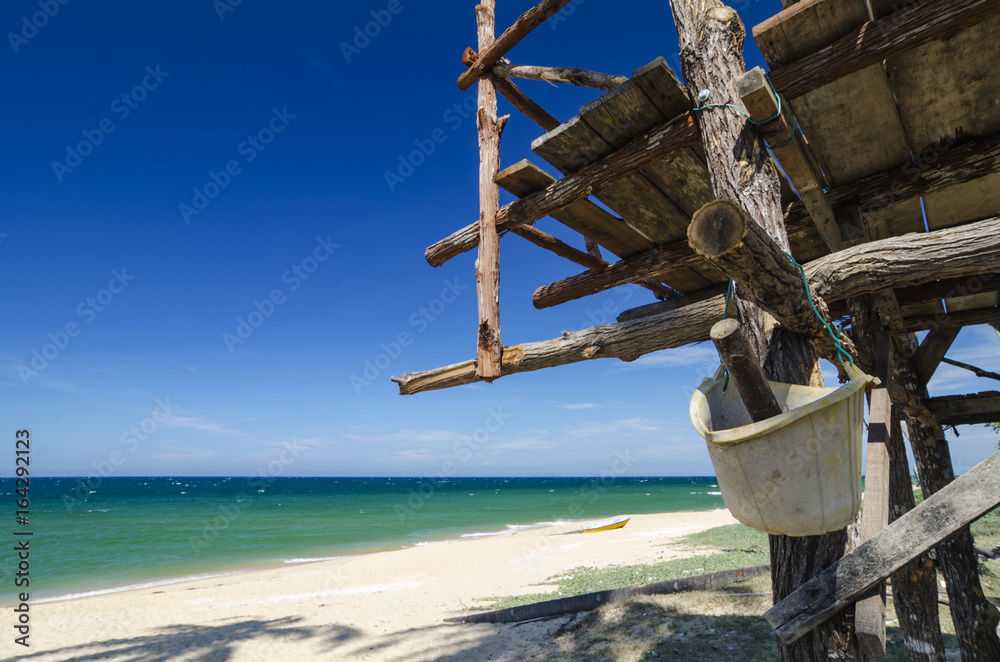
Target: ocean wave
514, 528
714, 493
312, 559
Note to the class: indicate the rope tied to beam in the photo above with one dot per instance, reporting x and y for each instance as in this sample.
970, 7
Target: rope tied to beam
841, 352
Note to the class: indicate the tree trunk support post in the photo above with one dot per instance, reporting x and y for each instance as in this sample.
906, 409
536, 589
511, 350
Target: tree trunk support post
489, 348
711, 40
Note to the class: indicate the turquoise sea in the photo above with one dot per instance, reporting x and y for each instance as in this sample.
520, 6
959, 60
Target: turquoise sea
116, 532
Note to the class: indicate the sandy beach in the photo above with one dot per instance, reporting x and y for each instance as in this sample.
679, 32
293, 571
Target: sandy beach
381, 606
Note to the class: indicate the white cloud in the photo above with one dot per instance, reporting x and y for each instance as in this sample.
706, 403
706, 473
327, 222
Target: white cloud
581, 405
611, 428
201, 424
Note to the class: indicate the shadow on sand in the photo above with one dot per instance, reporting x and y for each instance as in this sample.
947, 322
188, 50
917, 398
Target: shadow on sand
200, 643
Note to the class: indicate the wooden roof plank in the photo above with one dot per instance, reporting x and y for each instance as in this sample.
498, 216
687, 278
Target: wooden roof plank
948, 88
806, 27
524, 178
576, 144
971, 302
684, 180
617, 117
853, 127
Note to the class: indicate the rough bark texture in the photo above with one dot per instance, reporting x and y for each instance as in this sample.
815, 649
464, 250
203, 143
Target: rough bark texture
959, 258
524, 24
970, 251
626, 341
725, 236
744, 370
489, 346
914, 586
860, 267
711, 40
573, 76
965, 499
974, 617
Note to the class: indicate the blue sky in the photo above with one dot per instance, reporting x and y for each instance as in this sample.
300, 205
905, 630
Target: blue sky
173, 169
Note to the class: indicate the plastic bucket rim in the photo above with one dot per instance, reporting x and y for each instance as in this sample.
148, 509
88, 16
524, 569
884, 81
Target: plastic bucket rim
738, 435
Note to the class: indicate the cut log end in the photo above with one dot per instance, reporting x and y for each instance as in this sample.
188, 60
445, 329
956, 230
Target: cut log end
717, 228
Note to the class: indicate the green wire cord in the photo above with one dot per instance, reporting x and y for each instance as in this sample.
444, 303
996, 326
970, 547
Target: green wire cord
753, 121
841, 352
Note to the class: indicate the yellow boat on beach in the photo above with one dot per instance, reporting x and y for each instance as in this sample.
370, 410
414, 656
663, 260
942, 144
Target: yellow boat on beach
608, 527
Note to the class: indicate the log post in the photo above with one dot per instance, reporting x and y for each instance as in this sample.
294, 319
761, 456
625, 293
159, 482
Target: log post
974, 617
489, 346
735, 352
711, 39
725, 235
914, 586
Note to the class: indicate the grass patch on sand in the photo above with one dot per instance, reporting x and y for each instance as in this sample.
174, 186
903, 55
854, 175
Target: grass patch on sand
721, 624
739, 547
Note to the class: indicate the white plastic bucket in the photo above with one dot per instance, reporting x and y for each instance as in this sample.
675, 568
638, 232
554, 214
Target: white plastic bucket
796, 474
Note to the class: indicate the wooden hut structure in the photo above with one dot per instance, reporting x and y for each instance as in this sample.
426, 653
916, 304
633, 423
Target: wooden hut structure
884, 116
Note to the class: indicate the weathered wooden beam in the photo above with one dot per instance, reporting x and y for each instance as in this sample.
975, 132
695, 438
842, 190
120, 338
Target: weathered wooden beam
863, 269
869, 614
725, 235
626, 341
970, 409
525, 104
673, 303
588, 259
662, 142
572, 76
876, 40
968, 497
963, 251
711, 40
560, 248
632, 269
974, 618
932, 351
516, 96
948, 288
956, 248
589, 601
744, 370
798, 164
488, 343
524, 24
950, 164
979, 372
959, 319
